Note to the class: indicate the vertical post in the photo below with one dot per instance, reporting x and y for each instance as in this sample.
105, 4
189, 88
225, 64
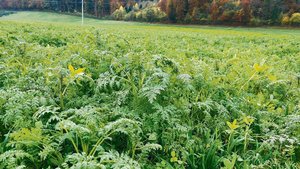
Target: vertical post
82, 12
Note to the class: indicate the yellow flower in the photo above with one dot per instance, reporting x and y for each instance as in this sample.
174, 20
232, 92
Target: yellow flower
71, 68
248, 120
74, 72
272, 78
259, 68
173, 158
233, 125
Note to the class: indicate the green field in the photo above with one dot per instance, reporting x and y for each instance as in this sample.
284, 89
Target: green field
111, 94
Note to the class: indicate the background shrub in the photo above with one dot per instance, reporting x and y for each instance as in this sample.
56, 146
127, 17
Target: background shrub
148, 14
130, 16
256, 22
4, 13
295, 19
119, 14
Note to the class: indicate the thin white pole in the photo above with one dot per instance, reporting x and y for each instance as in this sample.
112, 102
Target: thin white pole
82, 12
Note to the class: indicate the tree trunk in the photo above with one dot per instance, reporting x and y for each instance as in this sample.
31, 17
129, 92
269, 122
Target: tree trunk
96, 8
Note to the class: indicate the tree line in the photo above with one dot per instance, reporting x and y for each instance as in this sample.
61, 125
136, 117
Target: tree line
229, 11
254, 12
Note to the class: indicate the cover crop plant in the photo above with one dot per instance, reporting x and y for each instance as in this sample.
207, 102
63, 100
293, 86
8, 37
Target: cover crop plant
148, 96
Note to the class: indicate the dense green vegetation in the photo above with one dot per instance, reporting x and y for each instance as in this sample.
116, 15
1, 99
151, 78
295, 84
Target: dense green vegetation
128, 95
4, 13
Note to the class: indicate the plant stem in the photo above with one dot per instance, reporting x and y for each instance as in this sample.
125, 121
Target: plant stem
229, 141
248, 80
74, 145
133, 151
99, 142
61, 95
245, 141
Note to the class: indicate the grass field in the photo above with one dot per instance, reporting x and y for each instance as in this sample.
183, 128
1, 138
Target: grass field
111, 94
68, 19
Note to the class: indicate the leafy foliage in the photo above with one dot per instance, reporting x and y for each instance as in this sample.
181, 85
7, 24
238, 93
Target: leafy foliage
103, 97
